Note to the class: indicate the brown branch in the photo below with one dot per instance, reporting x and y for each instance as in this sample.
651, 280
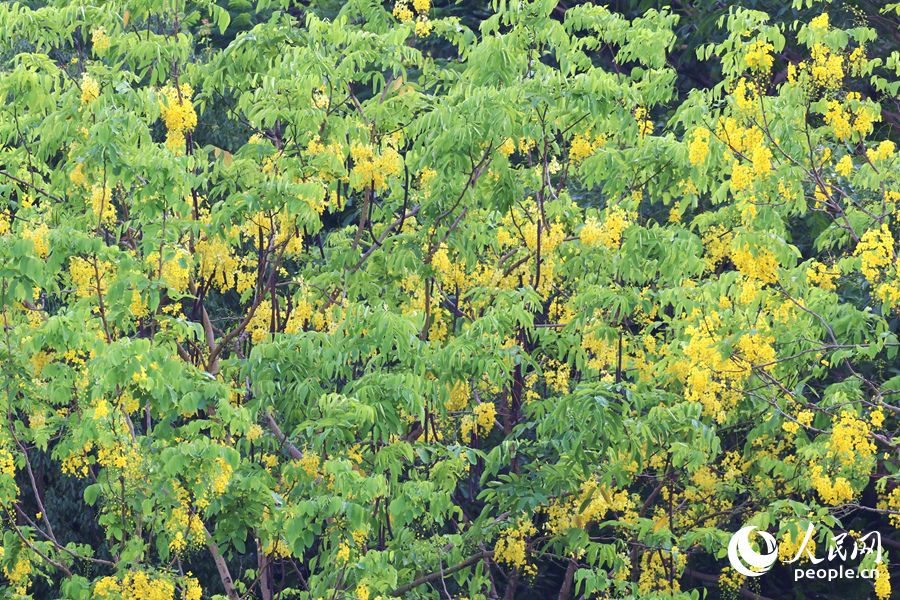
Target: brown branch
567, 581
437, 246
292, 450
221, 566
715, 579
382, 237
442, 573
34, 187
214, 355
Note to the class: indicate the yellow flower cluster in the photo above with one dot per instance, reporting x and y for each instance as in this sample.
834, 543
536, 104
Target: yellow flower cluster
84, 277
216, 258
7, 466
741, 139
757, 350
655, 569
179, 115
731, 581
260, 325
184, 527
877, 249
343, 553
608, 233
645, 125
255, 432
596, 501
174, 275
485, 414
582, 146
371, 170
302, 313
403, 13
426, 176
849, 441
278, 548
310, 464
101, 40
819, 275
699, 148
759, 56
38, 237
790, 545
716, 246
90, 90
601, 353
126, 458
820, 23
447, 271
557, 375
844, 166
459, 397
21, 571
760, 265
482, 421
883, 582
77, 175
879, 264
507, 147
77, 463
101, 204
884, 151
220, 482
835, 492
138, 585
827, 68
708, 375
891, 501
510, 548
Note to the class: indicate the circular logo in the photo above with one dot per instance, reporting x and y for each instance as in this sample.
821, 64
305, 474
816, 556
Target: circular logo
740, 553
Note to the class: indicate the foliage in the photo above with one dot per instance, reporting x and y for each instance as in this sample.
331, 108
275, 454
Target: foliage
378, 304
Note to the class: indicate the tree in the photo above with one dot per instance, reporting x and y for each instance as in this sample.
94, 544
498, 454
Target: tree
380, 305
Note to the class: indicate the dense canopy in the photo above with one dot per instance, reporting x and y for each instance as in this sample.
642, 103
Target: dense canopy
369, 300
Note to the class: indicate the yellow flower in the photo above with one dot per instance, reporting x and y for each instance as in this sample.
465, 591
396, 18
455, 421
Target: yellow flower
101, 203
178, 112
7, 466
101, 40
90, 90
645, 125
759, 56
883, 151
580, 148
820, 23
883, 582
402, 12
255, 432
761, 266
423, 27
844, 166
101, 410
608, 233
699, 145
820, 275
485, 414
